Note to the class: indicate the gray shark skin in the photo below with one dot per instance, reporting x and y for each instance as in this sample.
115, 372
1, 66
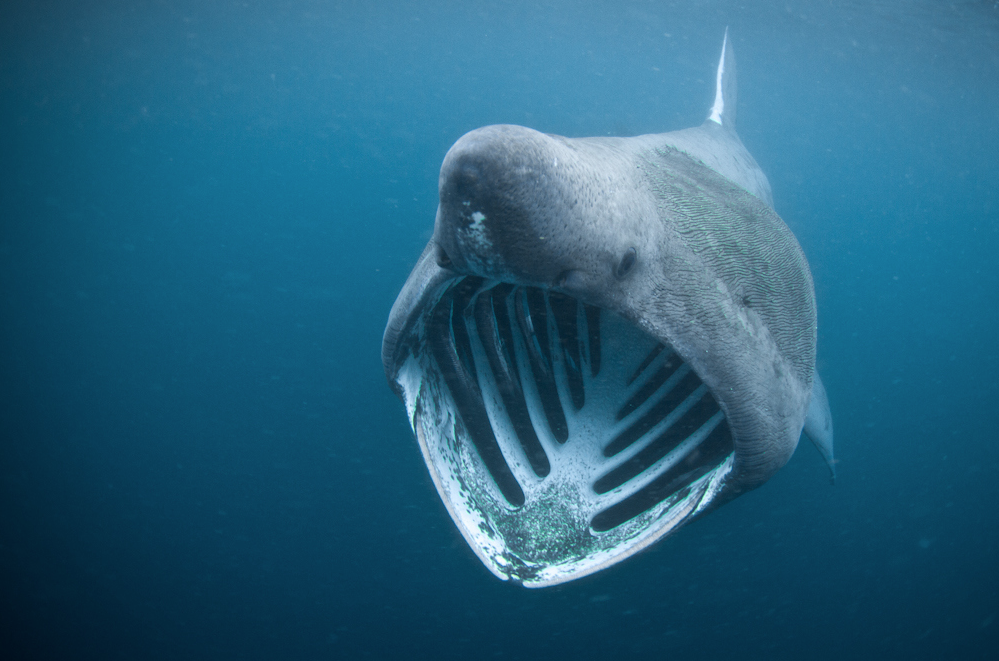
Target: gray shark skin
604, 339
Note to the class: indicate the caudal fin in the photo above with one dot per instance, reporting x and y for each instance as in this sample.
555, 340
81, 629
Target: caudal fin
723, 110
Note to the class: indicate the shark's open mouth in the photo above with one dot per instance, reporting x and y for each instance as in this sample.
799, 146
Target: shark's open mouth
561, 437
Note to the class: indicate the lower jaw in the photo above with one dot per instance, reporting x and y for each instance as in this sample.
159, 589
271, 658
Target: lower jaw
561, 438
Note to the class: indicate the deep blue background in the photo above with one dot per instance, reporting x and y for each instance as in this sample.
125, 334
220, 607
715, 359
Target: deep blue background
207, 209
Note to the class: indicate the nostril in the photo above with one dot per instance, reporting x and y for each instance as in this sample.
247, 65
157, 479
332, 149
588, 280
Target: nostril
443, 260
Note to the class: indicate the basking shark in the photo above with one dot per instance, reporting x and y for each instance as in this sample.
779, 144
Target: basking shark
604, 339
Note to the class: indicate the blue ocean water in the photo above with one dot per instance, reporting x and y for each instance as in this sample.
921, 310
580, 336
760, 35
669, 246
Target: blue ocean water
207, 209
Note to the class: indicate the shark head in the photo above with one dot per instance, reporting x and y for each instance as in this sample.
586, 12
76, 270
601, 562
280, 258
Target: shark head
604, 339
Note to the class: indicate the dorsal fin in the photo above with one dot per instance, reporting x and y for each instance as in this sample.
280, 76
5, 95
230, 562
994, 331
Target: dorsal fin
723, 110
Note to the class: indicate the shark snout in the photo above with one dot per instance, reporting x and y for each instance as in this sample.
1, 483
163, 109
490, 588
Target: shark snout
495, 200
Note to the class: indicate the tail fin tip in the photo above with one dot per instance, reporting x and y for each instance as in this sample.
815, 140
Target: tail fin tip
723, 110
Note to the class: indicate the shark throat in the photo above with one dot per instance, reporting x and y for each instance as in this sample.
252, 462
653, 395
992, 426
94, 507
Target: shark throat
561, 437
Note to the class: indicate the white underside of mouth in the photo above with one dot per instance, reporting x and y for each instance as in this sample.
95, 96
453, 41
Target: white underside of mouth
561, 438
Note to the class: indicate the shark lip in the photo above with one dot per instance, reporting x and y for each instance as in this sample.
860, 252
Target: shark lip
561, 438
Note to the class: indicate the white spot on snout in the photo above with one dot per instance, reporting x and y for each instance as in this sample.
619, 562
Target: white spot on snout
477, 241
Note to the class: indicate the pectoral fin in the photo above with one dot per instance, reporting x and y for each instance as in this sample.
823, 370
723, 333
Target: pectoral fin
819, 425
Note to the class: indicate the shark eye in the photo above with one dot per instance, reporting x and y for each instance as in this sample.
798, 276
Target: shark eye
443, 260
626, 263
